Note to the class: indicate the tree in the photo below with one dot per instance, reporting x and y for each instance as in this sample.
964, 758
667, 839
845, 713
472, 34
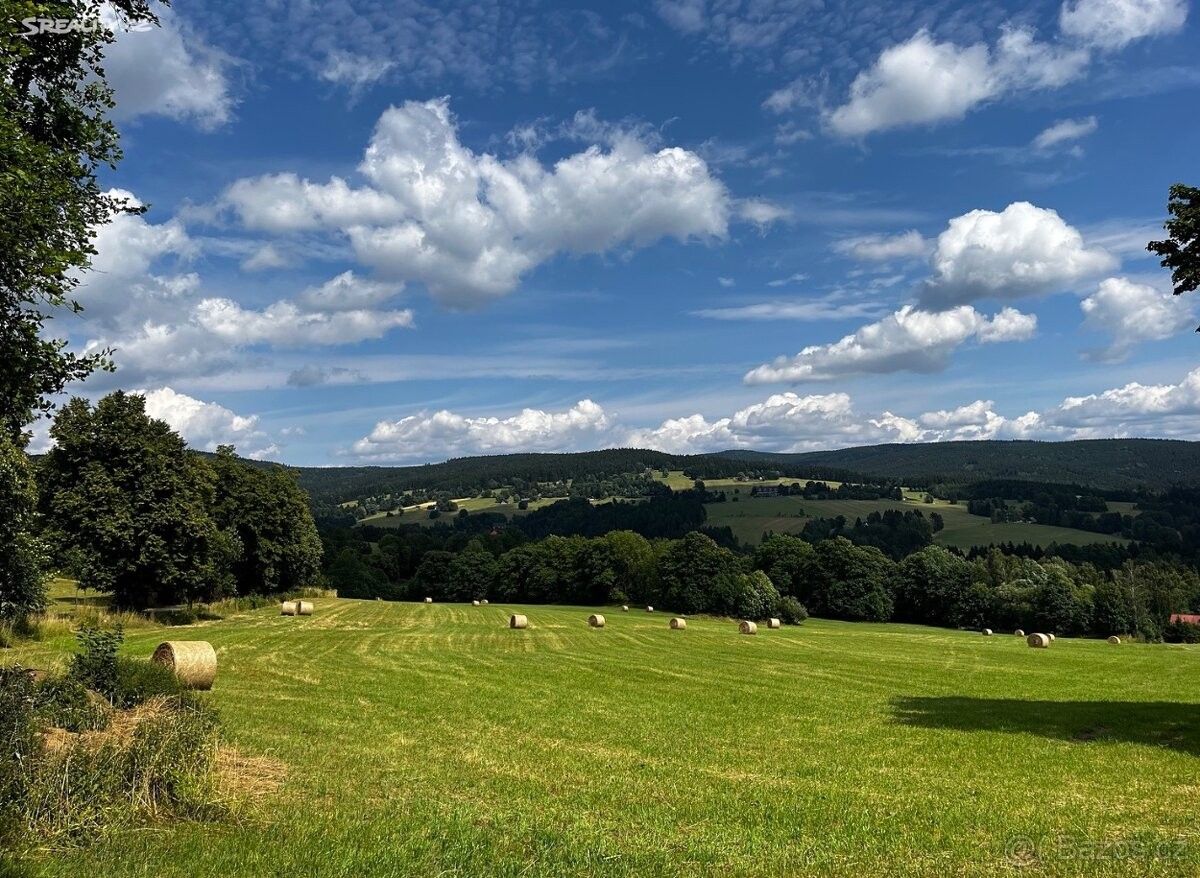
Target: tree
931, 587
689, 572
785, 559
469, 575
54, 136
849, 582
1180, 251
122, 494
268, 514
22, 576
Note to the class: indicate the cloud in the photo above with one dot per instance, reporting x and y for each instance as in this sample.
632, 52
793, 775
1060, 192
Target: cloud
1065, 131
1132, 313
469, 226
924, 81
285, 324
909, 340
1167, 410
444, 434
205, 425
884, 248
167, 71
1023, 250
830, 307
263, 258
1113, 24
313, 376
762, 212
355, 71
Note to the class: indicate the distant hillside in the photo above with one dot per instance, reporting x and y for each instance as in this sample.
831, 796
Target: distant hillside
1112, 464
1099, 463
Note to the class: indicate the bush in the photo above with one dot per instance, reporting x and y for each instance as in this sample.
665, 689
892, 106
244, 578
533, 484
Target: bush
95, 665
139, 680
1181, 632
790, 611
65, 703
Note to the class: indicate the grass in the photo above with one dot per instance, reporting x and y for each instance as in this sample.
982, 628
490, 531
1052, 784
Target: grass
751, 516
420, 514
430, 740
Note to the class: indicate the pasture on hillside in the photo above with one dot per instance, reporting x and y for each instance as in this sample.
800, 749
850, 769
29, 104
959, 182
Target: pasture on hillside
750, 517
432, 740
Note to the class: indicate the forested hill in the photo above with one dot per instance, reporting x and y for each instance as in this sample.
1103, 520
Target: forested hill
1102, 463
1099, 463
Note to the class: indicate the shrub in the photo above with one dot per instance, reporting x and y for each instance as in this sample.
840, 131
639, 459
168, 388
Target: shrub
95, 665
1181, 632
65, 703
138, 681
790, 611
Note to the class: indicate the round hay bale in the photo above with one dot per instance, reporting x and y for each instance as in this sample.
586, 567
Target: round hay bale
649, 609
1020, 632
429, 600
1051, 636
774, 623
194, 662
288, 608
474, 603
596, 620
678, 624
1114, 640
987, 632
625, 608
484, 602
1038, 641
304, 608
516, 620
747, 627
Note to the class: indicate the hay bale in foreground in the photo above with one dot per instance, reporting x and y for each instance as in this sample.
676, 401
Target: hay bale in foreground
1038, 641
596, 620
194, 662
649, 609
987, 632
747, 627
304, 608
678, 624
1114, 640
774, 623
429, 600
288, 608
516, 620
1020, 632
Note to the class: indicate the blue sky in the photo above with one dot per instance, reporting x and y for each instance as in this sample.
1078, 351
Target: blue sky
400, 233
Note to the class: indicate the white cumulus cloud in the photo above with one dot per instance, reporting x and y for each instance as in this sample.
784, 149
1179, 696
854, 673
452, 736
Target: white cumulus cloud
443, 434
468, 225
910, 339
1065, 131
167, 71
1023, 250
205, 425
1132, 313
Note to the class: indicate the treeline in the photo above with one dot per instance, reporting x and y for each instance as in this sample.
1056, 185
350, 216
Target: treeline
894, 532
128, 510
832, 577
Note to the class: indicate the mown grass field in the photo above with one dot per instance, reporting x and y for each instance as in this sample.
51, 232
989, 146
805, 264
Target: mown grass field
431, 740
750, 517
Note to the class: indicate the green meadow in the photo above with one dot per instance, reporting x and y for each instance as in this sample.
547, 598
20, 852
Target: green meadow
413, 739
750, 517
